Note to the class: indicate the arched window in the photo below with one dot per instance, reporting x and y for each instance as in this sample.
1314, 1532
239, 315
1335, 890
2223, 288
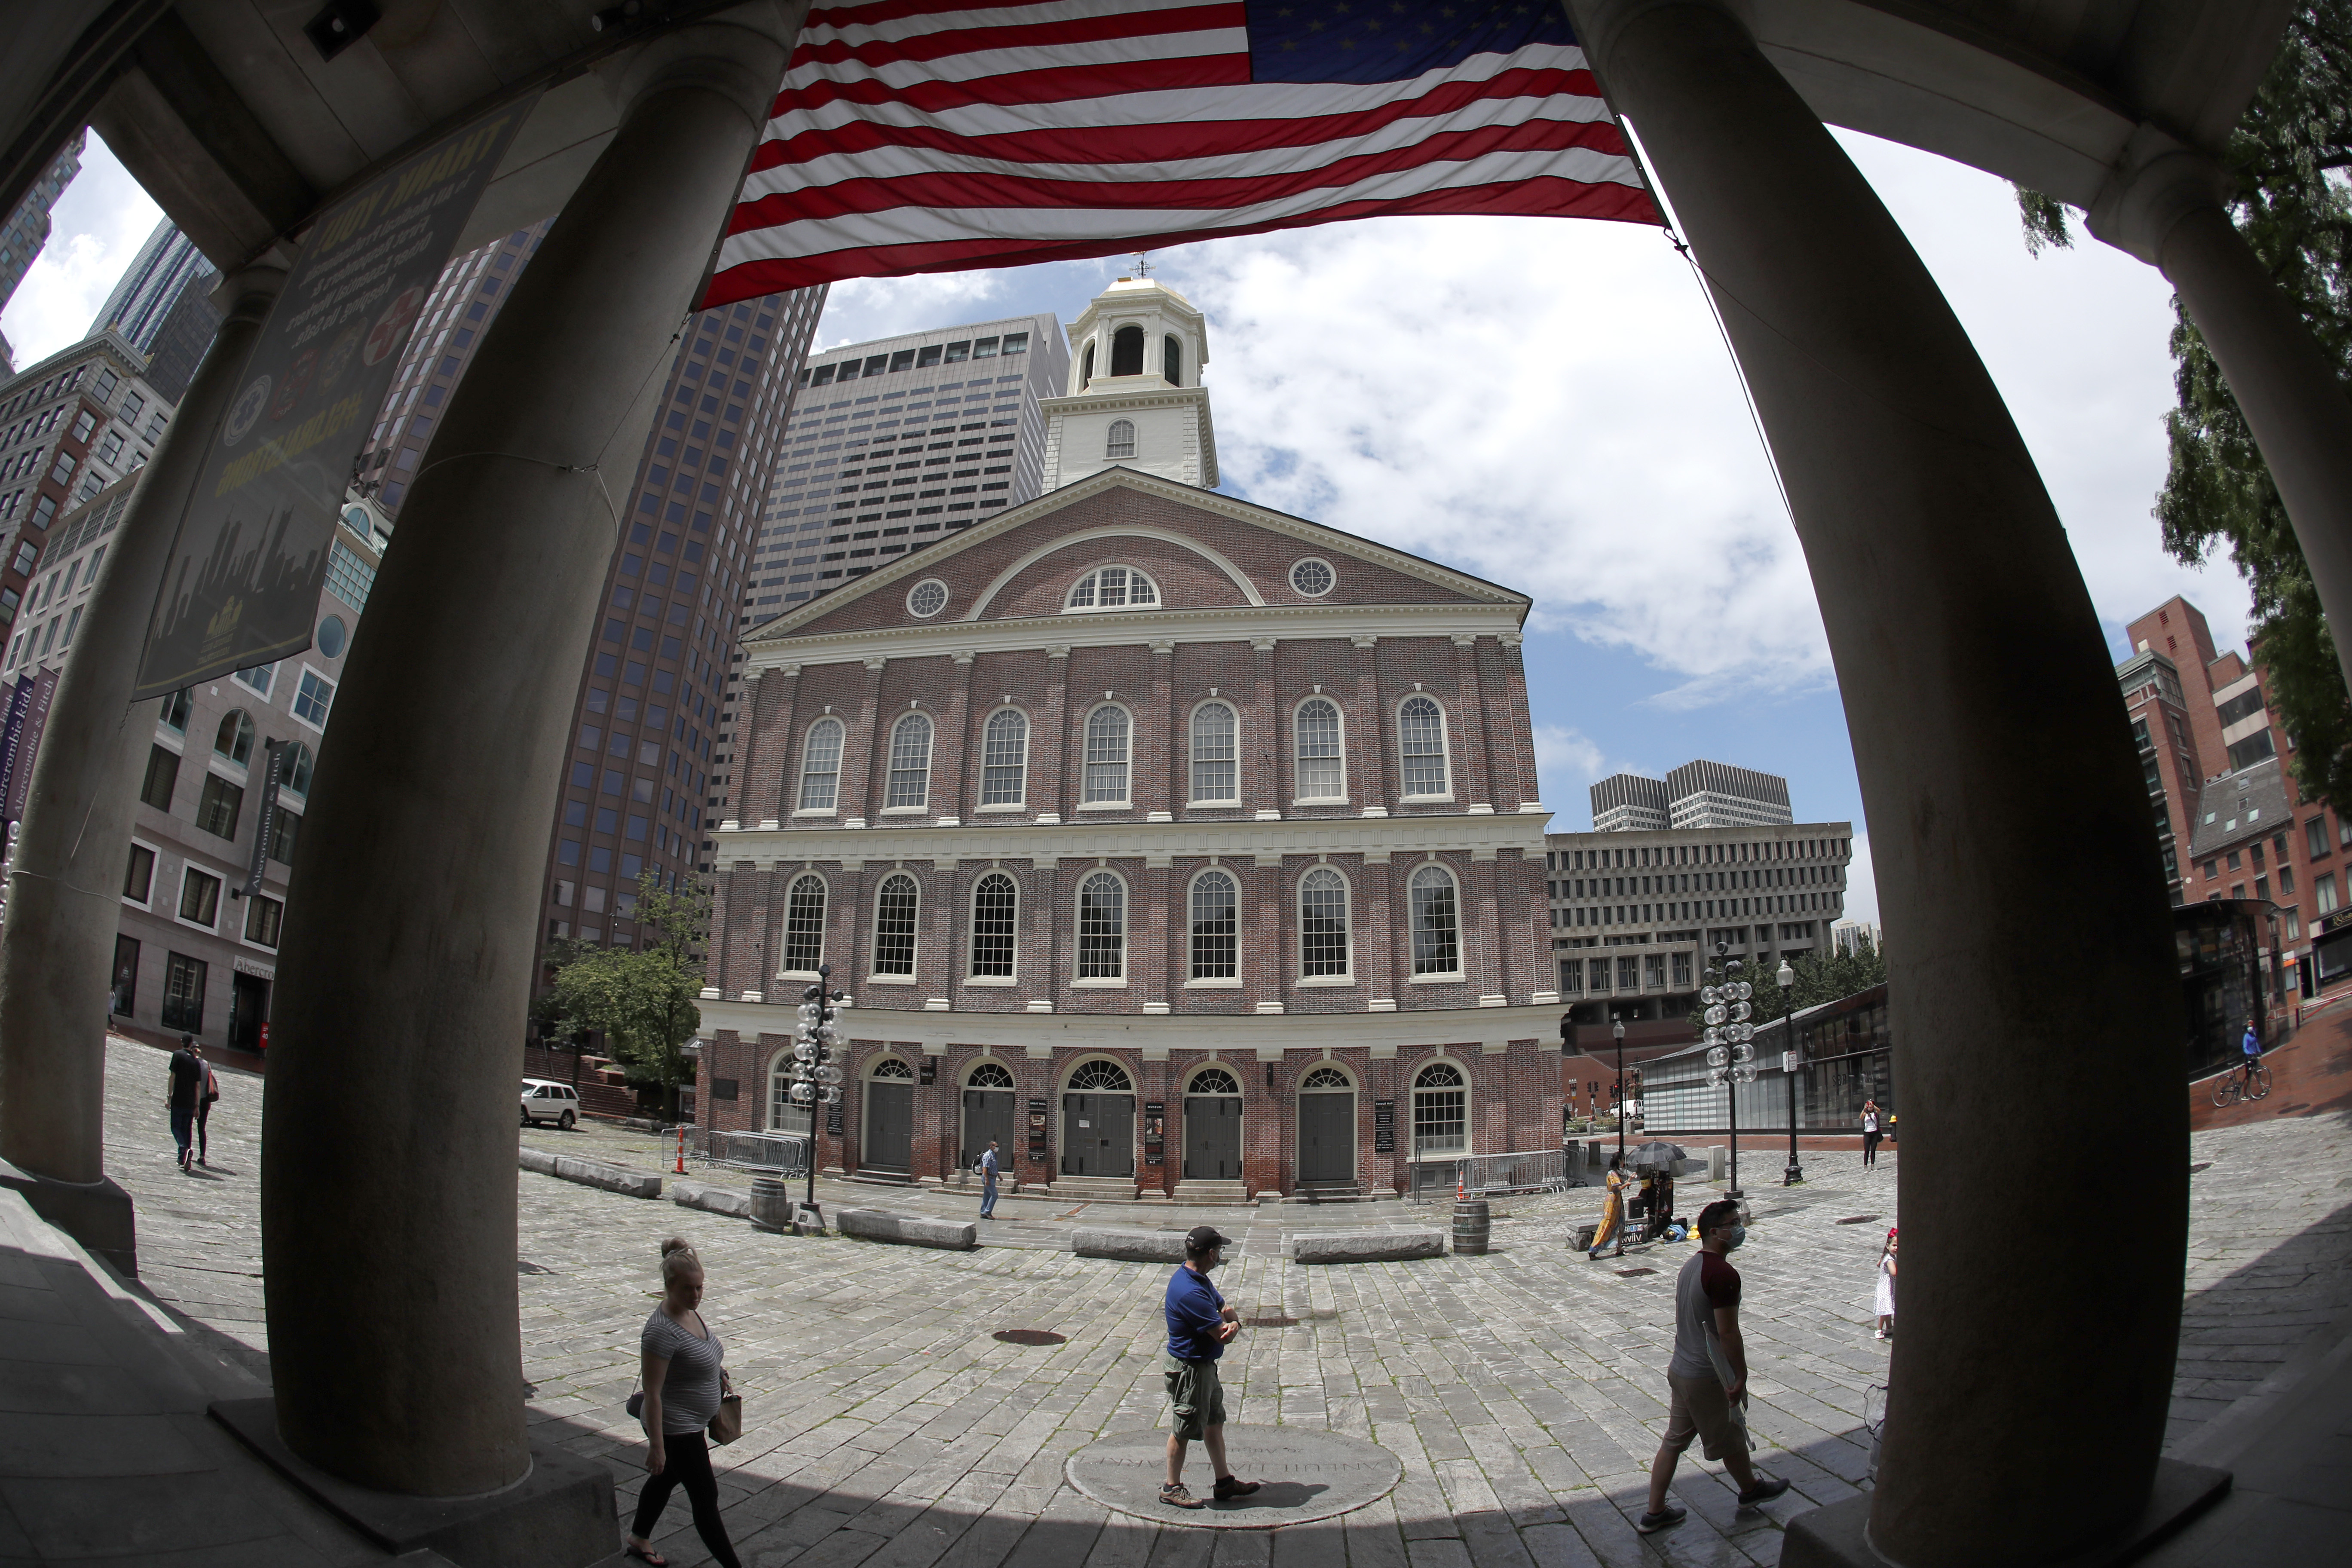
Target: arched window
1112, 588
990, 1075
890, 1070
1324, 1080
784, 1115
804, 925
1322, 923
1420, 735
894, 925
233, 739
1102, 928
1322, 775
1127, 351
1441, 1110
1108, 733
1121, 443
1101, 1077
820, 766
1171, 360
1436, 931
1005, 759
910, 762
1087, 366
294, 772
1216, 927
995, 902
1213, 1080
1216, 776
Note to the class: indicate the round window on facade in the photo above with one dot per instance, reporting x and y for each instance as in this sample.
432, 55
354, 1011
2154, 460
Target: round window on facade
927, 598
330, 637
1313, 578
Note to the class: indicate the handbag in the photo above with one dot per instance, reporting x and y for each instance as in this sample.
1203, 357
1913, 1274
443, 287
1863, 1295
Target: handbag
728, 1424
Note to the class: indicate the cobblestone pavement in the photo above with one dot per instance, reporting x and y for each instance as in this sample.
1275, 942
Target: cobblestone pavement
1524, 1391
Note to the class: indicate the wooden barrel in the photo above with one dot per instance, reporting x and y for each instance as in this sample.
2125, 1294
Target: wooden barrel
1471, 1224
771, 1204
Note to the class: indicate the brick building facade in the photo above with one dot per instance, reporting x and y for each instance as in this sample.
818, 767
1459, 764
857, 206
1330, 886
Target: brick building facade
1168, 839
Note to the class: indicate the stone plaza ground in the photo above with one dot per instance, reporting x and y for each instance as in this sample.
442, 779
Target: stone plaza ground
1524, 1391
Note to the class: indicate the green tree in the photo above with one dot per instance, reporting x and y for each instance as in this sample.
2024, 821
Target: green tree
1822, 976
2286, 156
643, 998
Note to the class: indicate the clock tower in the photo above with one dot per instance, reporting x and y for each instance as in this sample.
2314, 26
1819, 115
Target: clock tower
1135, 397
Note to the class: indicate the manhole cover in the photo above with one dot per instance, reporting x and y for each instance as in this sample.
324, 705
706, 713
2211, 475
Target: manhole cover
1858, 1219
1273, 1321
1030, 1337
1629, 1273
1307, 1475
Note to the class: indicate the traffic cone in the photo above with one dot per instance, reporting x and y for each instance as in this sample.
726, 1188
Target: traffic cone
681, 1152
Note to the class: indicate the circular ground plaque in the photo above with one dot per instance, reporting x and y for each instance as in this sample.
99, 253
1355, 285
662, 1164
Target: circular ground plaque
1307, 1475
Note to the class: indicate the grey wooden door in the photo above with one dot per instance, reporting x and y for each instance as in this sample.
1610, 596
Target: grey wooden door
1097, 1134
890, 1126
987, 1113
1327, 1137
1213, 1138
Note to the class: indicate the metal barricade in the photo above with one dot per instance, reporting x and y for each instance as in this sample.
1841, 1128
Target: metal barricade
769, 1153
1533, 1170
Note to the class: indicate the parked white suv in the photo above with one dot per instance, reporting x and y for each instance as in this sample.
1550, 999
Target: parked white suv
545, 1100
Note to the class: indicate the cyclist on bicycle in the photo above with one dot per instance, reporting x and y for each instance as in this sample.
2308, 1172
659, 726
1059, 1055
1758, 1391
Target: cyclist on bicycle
2252, 1047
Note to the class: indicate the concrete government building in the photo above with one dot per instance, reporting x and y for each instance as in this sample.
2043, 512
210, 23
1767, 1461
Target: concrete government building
1187, 847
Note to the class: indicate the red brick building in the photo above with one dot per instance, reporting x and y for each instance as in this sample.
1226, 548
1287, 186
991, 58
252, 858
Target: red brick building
1167, 838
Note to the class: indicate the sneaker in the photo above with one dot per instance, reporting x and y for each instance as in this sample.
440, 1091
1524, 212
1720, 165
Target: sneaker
1234, 1487
1176, 1496
1765, 1489
1651, 1523
1879, 1334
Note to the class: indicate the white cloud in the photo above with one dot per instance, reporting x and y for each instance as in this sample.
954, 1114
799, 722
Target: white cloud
100, 223
1566, 763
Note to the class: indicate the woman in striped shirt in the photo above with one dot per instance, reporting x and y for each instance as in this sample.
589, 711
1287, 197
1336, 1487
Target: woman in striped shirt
684, 1379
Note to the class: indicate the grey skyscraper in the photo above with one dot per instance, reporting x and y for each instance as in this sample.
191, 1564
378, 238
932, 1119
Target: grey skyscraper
1627, 802
29, 226
1696, 794
954, 411
166, 265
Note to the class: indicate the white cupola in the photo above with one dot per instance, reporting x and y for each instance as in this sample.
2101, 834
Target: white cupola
1135, 397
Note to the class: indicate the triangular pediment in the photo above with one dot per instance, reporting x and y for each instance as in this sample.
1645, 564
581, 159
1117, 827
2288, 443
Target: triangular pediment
1205, 550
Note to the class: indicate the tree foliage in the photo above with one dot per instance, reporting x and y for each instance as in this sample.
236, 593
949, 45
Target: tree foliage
2287, 156
644, 998
1822, 976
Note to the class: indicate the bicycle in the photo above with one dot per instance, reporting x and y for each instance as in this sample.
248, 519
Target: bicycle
2251, 1081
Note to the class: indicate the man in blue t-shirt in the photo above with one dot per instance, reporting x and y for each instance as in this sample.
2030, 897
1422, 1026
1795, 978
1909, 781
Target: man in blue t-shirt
988, 1182
1199, 1325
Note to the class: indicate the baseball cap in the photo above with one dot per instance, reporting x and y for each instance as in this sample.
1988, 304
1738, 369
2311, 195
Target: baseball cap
1201, 1237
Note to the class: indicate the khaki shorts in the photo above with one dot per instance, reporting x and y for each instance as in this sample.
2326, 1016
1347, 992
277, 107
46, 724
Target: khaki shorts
1196, 1397
1700, 1410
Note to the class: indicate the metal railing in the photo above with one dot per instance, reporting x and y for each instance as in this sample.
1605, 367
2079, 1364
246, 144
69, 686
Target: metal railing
769, 1153
1535, 1171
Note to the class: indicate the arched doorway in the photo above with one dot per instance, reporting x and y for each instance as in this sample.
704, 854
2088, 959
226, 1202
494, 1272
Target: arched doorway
1327, 1127
889, 1141
988, 1107
1098, 1120
1441, 1124
1213, 1126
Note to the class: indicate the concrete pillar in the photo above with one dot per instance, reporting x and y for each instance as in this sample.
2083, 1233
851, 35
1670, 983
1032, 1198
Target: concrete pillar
389, 1271
65, 884
1946, 587
2165, 208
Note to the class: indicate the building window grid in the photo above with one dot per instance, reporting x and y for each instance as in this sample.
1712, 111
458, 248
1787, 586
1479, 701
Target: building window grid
804, 925
1441, 1112
1436, 936
1322, 774
1005, 759
995, 905
894, 926
1102, 928
1107, 732
1215, 771
1323, 924
1215, 927
820, 766
1420, 730
910, 762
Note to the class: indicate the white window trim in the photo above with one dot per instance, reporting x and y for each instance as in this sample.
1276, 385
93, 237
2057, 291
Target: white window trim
1329, 979
1005, 806
1445, 739
970, 897
180, 892
783, 924
154, 874
1108, 805
889, 980
1347, 907
310, 669
801, 773
1320, 560
1451, 976
1028, 734
898, 811
1101, 983
889, 763
1185, 915
824, 811
1125, 802
1341, 708
1159, 600
998, 979
1191, 718
1355, 1084
1126, 929
1232, 983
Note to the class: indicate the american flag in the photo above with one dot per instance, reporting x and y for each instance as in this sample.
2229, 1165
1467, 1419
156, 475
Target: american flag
936, 135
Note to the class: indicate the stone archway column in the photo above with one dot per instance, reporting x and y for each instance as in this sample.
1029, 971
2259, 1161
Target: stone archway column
389, 1258
1970, 658
64, 886
2166, 208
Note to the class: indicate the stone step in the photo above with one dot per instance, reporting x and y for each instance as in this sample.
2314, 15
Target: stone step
884, 1178
1095, 1189
1211, 1193
1328, 1192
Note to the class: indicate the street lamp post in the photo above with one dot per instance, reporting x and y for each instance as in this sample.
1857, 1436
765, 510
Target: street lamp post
1787, 979
814, 1076
1617, 1028
1731, 1055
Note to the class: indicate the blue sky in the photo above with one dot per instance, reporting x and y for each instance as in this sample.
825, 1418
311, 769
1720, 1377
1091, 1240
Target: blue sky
1548, 404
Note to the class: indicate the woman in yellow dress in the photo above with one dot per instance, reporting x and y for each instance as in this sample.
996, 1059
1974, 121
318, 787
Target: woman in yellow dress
1613, 1211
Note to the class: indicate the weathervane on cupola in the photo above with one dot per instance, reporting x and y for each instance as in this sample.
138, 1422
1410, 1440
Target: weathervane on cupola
1135, 399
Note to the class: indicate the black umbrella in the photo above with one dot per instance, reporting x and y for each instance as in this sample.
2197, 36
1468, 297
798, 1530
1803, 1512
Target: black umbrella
1655, 1155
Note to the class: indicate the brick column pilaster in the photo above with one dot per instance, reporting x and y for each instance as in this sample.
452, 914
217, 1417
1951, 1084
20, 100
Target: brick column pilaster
1473, 780
954, 739
862, 750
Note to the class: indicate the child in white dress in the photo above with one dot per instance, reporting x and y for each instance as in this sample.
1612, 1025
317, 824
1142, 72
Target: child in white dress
1885, 1303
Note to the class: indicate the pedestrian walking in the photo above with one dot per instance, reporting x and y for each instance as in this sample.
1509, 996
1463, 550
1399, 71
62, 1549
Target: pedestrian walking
682, 1362
184, 1095
1871, 1132
1708, 1375
1612, 1210
1200, 1325
988, 1181
205, 1094
1885, 1302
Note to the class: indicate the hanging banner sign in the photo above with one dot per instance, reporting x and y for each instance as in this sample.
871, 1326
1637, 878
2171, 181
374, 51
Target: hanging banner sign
249, 559
28, 749
266, 821
20, 697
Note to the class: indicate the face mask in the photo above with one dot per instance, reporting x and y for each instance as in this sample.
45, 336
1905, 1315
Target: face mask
1738, 1233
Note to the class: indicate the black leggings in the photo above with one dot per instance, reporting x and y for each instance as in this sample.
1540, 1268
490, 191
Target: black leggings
1869, 1148
686, 1462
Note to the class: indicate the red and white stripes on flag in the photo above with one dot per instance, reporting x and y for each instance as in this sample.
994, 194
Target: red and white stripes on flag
936, 135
